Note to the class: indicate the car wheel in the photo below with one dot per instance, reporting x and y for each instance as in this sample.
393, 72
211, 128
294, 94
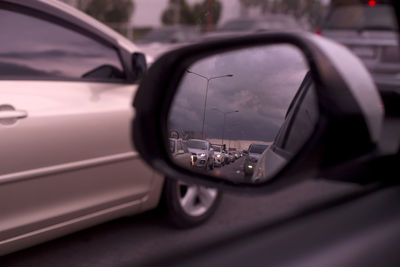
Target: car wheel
189, 205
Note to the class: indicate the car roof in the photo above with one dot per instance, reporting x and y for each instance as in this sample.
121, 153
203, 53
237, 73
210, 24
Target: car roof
78, 18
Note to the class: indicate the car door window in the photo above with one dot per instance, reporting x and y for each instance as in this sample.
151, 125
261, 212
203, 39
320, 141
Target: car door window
33, 48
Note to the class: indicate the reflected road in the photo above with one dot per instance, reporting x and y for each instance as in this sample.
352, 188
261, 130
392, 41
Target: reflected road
233, 170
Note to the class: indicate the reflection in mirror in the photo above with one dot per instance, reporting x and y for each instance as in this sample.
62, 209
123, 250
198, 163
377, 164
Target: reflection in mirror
242, 115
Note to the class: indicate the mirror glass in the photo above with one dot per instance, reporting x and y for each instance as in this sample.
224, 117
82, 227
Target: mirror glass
243, 114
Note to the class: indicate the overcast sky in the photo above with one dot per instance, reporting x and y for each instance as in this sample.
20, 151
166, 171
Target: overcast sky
264, 83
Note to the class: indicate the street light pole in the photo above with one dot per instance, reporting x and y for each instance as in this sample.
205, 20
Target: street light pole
204, 111
223, 126
208, 79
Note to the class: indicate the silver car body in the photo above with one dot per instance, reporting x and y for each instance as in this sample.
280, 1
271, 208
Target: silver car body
373, 39
69, 164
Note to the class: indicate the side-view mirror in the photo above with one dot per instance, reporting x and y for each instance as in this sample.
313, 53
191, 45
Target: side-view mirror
296, 104
139, 65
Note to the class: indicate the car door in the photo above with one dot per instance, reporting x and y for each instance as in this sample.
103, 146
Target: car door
299, 123
65, 112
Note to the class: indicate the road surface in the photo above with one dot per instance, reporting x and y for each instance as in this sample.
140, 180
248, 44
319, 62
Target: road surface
127, 241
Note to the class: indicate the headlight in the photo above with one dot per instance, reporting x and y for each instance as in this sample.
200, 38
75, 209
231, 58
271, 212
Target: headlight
202, 155
218, 156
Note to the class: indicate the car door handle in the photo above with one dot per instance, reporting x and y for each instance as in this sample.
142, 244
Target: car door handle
13, 114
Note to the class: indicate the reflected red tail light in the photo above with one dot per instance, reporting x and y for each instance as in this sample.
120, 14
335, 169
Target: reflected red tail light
318, 31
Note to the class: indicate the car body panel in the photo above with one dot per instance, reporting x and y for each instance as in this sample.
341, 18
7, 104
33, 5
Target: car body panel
374, 40
68, 163
97, 169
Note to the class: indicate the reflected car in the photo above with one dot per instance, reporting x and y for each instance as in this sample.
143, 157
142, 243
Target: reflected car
201, 153
219, 157
254, 154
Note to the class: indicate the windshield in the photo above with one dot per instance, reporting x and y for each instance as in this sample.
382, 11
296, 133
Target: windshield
217, 148
361, 17
196, 144
257, 149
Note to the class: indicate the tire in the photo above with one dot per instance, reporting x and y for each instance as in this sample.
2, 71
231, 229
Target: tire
186, 216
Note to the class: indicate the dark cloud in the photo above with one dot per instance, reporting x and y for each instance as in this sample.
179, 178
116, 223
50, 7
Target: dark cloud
264, 82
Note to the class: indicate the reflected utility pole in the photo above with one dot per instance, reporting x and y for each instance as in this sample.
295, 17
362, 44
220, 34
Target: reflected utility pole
205, 100
223, 127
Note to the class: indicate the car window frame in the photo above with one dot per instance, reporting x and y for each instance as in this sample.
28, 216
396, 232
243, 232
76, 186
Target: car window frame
56, 20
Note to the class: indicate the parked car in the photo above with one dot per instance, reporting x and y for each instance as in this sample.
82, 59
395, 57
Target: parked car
232, 157
66, 87
226, 156
371, 34
202, 154
254, 154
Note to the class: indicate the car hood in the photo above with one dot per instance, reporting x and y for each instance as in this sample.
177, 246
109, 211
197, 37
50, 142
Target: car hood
197, 151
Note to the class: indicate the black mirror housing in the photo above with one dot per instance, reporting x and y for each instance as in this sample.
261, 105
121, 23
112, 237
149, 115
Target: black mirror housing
350, 106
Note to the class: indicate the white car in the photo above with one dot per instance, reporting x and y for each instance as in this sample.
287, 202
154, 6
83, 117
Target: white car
66, 88
202, 154
219, 157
